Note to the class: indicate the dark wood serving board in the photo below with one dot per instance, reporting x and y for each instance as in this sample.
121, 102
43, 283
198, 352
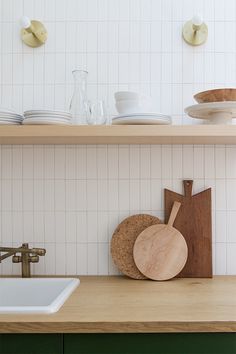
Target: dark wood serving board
194, 222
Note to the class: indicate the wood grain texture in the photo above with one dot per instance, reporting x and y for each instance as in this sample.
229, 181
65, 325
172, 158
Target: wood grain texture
123, 240
139, 134
194, 222
174, 212
160, 251
217, 95
122, 305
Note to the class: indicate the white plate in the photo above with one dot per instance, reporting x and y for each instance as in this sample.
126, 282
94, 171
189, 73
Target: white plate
46, 120
46, 111
42, 122
66, 119
8, 115
10, 120
3, 116
8, 123
32, 120
144, 116
140, 121
47, 116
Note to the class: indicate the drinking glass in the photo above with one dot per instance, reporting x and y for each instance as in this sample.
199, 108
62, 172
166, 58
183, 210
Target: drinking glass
97, 114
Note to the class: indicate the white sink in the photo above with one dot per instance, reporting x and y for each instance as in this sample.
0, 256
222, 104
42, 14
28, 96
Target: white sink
35, 295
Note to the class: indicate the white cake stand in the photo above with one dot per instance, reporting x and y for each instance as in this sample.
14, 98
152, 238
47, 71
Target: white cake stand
214, 113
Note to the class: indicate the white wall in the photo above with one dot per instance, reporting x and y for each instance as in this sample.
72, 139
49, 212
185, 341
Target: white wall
69, 198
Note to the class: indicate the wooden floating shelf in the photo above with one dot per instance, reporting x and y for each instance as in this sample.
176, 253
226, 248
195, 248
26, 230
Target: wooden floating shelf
126, 134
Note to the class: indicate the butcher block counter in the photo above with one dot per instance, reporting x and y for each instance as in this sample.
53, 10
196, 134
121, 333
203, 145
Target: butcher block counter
121, 305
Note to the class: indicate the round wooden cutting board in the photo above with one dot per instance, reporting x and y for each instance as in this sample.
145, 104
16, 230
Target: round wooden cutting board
123, 240
160, 251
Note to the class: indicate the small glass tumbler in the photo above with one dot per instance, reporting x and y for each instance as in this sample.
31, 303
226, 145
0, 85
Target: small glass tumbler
97, 114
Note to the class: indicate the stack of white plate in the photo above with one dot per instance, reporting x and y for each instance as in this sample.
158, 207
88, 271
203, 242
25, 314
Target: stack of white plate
47, 117
8, 116
142, 119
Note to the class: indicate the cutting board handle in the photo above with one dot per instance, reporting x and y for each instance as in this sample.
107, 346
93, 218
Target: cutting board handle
174, 212
188, 186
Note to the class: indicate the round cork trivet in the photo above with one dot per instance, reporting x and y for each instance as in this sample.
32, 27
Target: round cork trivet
123, 240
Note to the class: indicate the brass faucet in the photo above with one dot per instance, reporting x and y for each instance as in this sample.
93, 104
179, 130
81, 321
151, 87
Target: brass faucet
28, 255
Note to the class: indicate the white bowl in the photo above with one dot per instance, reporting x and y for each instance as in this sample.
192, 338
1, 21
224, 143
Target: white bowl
133, 106
129, 95
126, 95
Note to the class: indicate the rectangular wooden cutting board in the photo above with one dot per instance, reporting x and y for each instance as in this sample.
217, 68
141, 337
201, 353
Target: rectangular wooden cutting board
194, 222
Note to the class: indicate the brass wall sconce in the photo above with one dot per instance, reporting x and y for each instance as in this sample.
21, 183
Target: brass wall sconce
195, 31
33, 33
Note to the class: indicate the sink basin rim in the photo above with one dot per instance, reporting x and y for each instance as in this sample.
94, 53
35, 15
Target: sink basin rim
53, 307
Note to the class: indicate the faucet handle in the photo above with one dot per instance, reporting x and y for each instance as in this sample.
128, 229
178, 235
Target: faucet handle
16, 259
34, 259
38, 251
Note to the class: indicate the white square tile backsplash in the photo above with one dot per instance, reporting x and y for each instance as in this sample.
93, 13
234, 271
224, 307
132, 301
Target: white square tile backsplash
69, 199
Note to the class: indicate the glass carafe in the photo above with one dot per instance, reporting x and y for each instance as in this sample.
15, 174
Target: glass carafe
78, 105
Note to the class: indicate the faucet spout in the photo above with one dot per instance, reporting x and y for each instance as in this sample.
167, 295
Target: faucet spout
6, 255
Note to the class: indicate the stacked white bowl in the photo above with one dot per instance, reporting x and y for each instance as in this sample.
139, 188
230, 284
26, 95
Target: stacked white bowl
128, 102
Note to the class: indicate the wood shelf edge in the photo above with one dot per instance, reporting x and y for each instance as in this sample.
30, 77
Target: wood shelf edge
93, 135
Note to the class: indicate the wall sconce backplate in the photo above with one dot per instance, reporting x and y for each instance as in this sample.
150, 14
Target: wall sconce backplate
35, 36
195, 37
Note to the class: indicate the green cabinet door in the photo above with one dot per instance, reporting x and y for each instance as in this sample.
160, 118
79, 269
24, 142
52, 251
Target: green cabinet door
31, 344
184, 343
187, 343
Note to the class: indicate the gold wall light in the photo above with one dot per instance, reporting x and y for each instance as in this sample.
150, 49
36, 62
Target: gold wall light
195, 31
33, 33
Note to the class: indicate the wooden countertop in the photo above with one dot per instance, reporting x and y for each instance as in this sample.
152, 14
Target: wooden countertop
119, 304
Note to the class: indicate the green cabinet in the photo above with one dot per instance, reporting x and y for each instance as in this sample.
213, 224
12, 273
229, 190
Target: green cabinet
31, 344
163, 343
160, 343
